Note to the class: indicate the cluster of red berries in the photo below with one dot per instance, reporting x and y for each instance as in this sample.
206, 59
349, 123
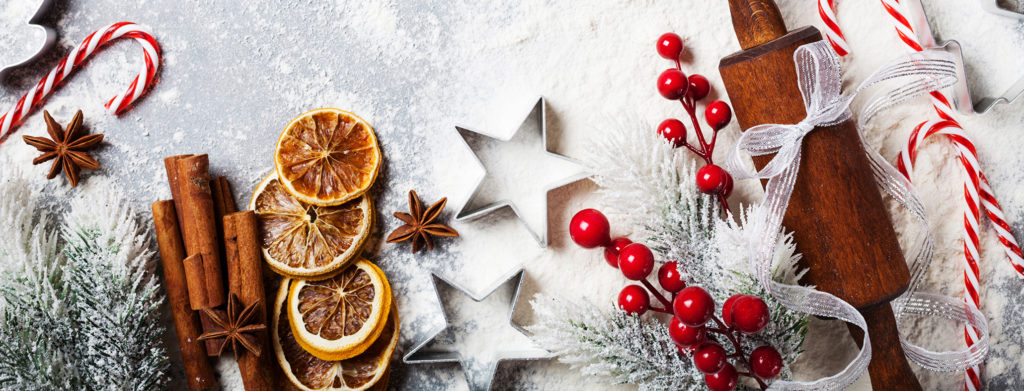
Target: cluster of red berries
673, 84
691, 307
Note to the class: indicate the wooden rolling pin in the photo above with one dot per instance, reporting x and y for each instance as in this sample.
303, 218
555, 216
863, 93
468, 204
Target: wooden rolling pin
836, 213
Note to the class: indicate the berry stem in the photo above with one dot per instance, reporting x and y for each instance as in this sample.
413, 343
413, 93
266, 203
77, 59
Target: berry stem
659, 309
739, 355
706, 149
656, 294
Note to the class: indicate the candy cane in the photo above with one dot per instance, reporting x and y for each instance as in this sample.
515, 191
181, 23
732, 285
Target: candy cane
116, 105
826, 10
977, 192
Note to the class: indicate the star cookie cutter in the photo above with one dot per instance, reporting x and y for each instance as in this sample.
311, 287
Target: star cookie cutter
962, 96
422, 354
50, 36
478, 205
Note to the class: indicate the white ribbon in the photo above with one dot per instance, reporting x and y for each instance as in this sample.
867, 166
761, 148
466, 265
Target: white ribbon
820, 79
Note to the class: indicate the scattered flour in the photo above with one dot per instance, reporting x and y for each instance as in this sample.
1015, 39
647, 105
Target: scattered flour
234, 74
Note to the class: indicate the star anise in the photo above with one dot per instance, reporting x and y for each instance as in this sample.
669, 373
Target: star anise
68, 147
419, 224
236, 328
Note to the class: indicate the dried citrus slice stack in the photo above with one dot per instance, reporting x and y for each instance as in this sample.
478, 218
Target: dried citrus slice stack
341, 316
327, 157
366, 371
304, 240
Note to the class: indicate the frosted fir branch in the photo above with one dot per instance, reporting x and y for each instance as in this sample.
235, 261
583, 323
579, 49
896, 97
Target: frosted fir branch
85, 318
647, 183
115, 293
787, 329
30, 263
612, 345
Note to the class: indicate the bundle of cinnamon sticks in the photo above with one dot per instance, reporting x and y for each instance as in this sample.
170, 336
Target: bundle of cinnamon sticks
201, 236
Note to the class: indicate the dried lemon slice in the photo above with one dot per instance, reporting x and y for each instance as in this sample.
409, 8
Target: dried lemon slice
327, 157
341, 316
367, 371
308, 241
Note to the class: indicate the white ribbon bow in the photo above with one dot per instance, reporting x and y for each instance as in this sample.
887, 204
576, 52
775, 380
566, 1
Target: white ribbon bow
820, 78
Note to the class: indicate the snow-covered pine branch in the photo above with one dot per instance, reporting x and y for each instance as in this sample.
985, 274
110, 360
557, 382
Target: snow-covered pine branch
115, 294
646, 182
79, 313
612, 345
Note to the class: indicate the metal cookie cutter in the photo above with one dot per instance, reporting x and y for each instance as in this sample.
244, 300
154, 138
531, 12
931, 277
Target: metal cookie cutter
961, 90
50, 36
422, 354
535, 219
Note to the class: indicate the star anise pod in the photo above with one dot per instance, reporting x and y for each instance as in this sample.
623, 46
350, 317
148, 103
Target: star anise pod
236, 328
69, 148
419, 224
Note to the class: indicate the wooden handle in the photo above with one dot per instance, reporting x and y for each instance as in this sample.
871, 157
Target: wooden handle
756, 22
888, 368
836, 212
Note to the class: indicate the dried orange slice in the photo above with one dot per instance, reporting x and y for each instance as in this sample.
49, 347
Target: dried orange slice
341, 316
308, 241
367, 371
327, 157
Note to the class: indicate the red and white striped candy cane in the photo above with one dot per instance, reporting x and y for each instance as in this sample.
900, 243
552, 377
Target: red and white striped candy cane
826, 11
977, 192
968, 158
116, 105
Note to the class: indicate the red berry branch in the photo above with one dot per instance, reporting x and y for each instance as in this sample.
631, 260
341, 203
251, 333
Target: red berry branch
673, 84
691, 307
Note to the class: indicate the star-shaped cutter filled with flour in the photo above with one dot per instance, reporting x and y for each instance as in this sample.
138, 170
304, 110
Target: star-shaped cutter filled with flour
531, 136
422, 353
49, 36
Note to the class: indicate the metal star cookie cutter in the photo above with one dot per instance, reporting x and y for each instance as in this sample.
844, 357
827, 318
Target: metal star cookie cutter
50, 37
420, 354
477, 205
962, 97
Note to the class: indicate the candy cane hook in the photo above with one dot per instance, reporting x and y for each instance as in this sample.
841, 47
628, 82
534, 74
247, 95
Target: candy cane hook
12, 118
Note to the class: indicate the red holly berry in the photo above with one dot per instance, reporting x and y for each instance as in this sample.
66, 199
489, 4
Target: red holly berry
589, 228
672, 84
699, 87
727, 309
712, 179
765, 362
636, 261
724, 380
674, 131
693, 306
709, 357
670, 46
717, 114
611, 251
750, 314
634, 299
686, 336
669, 277
727, 190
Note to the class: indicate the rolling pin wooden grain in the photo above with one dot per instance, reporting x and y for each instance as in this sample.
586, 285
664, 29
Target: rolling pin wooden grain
836, 212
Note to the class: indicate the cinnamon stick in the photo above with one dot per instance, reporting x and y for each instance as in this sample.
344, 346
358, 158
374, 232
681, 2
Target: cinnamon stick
223, 205
199, 224
198, 371
171, 167
245, 280
195, 277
